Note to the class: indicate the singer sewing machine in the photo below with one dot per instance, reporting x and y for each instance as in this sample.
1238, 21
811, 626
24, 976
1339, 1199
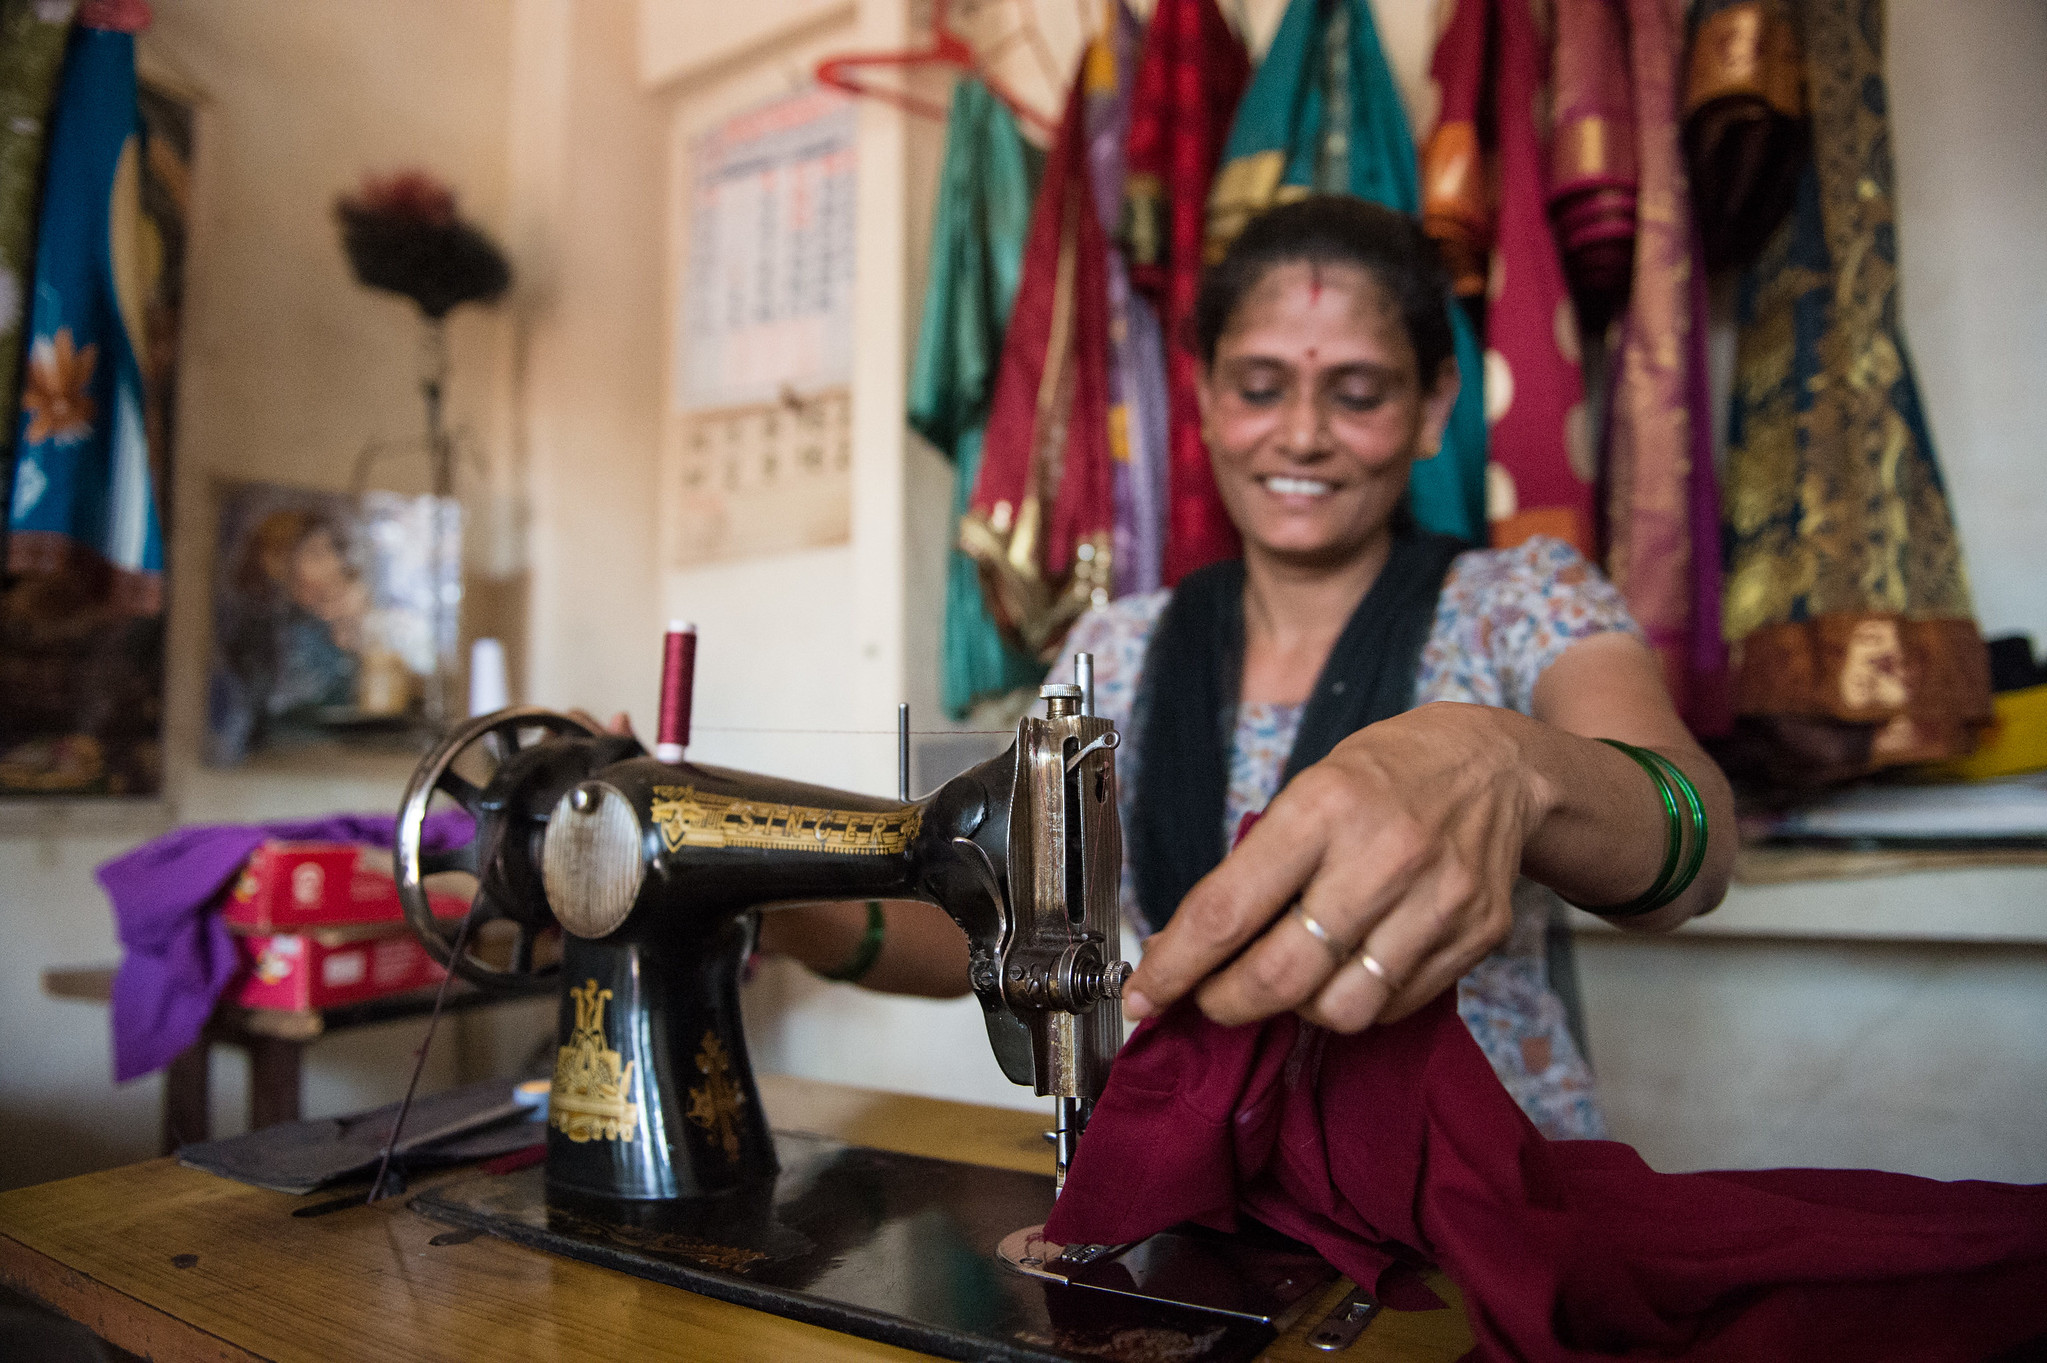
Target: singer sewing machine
660, 1159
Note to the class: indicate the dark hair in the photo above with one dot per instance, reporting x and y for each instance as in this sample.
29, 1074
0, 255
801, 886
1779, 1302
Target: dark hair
1335, 229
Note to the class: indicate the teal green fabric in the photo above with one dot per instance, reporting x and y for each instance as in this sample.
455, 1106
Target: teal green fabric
31, 54
1324, 96
985, 189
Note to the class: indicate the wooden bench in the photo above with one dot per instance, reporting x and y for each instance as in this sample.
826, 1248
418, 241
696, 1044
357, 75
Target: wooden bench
275, 1040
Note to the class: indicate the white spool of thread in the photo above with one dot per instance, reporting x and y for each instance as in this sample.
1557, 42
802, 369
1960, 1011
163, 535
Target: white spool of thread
488, 689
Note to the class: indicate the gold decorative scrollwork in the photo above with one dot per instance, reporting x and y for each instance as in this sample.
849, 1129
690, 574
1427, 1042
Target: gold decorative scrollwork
714, 1105
589, 1102
688, 817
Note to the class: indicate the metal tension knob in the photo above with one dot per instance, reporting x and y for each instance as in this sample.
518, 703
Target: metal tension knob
1061, 699
1071, 982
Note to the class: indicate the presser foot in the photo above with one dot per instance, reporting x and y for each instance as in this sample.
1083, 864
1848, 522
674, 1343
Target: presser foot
1257, 1277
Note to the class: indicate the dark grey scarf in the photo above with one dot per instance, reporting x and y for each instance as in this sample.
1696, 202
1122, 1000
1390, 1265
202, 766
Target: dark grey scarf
1185, 715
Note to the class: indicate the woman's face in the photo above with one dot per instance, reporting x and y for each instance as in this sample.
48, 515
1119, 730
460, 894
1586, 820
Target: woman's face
320, 576
1313, 411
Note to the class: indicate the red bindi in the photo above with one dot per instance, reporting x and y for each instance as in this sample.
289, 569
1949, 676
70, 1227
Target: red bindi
1314, 283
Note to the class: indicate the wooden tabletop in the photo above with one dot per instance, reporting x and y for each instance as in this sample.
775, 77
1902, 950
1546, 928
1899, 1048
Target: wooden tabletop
181, 1266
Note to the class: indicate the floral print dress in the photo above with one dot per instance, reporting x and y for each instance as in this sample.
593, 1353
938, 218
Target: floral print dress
1503, 617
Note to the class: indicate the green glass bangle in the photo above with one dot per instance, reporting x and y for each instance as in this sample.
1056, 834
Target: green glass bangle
1696, 857
867, 953
1652, 898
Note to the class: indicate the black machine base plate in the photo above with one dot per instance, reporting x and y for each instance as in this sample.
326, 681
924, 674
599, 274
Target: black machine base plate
896, 1248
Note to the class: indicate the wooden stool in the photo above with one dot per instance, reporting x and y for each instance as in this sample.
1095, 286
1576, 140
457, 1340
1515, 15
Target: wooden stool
275, 1040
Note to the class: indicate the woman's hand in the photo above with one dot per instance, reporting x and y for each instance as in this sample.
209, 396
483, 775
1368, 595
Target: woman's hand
1402, 846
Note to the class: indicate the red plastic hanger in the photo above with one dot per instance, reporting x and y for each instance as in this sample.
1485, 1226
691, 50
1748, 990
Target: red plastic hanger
945, 48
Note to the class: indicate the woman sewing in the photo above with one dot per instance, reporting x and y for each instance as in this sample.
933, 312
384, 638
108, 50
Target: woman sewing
1406, 846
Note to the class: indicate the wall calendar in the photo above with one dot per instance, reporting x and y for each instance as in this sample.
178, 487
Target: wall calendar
763, 462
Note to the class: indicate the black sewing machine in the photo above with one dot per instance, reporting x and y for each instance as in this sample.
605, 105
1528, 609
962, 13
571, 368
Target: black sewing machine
659, 1157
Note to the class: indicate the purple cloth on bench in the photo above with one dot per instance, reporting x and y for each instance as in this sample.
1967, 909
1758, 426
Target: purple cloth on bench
177, 956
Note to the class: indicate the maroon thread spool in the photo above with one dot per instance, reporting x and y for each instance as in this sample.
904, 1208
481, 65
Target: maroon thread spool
678, 686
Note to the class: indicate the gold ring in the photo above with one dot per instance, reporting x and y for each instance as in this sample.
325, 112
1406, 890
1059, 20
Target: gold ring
1375, 969
1319, 933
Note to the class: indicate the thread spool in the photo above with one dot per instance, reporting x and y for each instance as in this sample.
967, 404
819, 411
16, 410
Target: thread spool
489, 690
678, 685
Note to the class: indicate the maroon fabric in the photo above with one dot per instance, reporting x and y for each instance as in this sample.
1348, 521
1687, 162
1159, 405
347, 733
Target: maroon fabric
1397, 1147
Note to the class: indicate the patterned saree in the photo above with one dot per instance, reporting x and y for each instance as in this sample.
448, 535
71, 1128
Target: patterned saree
1594, 181
1041, 520
1323, 115
1188, 83
1745, 125
1846, 596
31, 56
85, 492
1659, 456
977, 240
1539, 480
1138, 400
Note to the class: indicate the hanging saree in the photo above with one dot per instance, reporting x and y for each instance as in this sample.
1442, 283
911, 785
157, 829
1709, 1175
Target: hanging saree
1846, 597
31, 56
1323, 114
1041, 518
1539, 479
1189, 80
1657, 432
977, 240
1137, 396
1746, 134
1594, 181
85, 493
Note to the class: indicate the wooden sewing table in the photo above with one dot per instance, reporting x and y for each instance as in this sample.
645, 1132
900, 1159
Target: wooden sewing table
179, 1265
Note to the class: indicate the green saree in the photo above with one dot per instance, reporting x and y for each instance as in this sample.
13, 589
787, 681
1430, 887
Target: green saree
1324, 116
985, 188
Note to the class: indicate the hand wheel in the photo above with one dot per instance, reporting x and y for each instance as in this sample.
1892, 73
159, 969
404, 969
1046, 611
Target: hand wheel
503, 738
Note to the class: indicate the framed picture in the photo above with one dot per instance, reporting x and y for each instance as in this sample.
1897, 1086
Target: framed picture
330, 612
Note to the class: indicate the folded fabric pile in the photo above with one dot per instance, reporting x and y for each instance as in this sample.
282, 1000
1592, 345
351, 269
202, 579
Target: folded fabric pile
177, 956
1397, 1148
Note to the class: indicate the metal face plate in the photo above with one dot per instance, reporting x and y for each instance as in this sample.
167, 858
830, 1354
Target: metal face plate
1066, 854
591, 863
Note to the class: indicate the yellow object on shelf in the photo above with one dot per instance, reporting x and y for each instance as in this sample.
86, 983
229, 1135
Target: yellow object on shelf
2015, 742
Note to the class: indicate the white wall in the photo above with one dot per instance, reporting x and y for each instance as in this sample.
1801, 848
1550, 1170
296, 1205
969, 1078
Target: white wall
1967, 105
287, 369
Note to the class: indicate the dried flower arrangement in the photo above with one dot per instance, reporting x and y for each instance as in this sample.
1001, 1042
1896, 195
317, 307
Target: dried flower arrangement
403, 235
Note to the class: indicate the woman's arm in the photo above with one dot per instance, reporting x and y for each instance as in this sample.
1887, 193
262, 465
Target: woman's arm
1404, 843
922, 950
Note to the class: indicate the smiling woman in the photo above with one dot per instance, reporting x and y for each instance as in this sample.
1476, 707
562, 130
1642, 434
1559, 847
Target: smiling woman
1406, 847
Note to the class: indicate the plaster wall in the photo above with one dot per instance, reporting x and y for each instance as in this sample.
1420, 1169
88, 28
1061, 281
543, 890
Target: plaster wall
287, 370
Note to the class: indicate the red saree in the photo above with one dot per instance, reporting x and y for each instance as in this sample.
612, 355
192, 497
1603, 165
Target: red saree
1042, 515
1539, 478
1193, 72
1594, 177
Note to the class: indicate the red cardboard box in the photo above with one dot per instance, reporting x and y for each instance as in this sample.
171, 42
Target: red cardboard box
324, 969
290, 885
